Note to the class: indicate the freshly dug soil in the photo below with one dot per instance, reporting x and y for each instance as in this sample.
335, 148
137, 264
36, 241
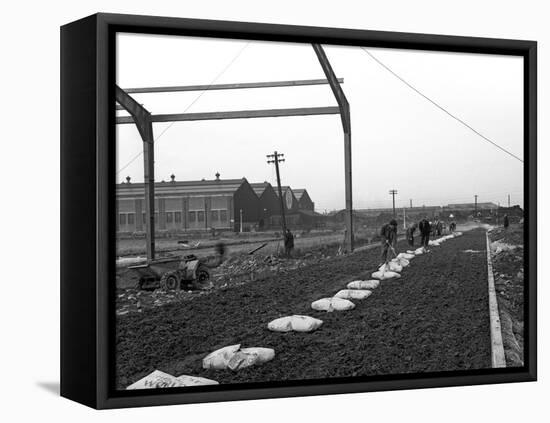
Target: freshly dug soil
434, 318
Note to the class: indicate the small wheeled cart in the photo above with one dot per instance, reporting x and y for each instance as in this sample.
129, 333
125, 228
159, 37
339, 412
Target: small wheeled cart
173, 273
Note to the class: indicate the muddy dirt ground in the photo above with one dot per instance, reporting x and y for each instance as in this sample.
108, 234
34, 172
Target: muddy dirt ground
434, 318
507, 246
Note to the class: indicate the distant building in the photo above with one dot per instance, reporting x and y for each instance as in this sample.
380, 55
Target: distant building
215, 203
289, 199
189, 205
269, 203
480, 206
304, 200
299, 210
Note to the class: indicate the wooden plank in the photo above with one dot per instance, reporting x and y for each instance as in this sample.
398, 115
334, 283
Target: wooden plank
240, 114
498, 359
233, 86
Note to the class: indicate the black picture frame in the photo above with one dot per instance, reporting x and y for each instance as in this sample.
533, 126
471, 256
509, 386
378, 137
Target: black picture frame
87, 204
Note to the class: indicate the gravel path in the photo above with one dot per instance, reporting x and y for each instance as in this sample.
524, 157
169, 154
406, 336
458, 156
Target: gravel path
434, 318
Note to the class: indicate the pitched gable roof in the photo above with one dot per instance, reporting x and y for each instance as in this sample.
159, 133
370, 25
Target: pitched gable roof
260, 187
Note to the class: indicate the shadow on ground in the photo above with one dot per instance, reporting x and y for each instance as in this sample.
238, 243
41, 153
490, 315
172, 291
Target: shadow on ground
51, 387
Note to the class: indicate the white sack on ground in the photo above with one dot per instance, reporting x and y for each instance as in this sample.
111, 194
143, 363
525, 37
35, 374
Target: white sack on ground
412, 252
196, 381
294, 323
250, 356
434, 243
234, 358
370, 284
158, 379
401, 262
391, 267
385, 275
219, 358
406, 256
353, 294
419, 251
332, 304
457, 234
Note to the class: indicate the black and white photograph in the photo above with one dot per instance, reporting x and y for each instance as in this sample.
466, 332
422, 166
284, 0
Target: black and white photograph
290, 212
242, 211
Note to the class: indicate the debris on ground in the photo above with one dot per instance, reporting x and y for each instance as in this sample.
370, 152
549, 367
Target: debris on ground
237, 270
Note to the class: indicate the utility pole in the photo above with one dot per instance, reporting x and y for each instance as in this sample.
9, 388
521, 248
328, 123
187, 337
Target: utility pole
508, 200
276, 159
241, 220
205, 216
393, 192
411, 203
475, 206
404, 219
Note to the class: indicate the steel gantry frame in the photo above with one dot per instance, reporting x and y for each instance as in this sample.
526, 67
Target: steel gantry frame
143, 120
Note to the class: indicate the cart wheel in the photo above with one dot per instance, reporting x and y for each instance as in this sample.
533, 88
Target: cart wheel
203, 278
170, 281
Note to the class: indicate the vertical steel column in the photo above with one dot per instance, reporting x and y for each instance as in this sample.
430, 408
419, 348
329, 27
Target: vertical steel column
346, 124
142, 120
149, 185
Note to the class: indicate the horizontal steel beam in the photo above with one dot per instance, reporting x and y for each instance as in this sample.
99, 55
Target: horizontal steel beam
297, 83
240, 114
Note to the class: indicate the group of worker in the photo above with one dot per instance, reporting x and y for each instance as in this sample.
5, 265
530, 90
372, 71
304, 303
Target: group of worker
388, 234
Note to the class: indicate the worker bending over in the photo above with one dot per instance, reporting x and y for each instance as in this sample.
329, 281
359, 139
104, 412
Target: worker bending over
388, 232
410, 234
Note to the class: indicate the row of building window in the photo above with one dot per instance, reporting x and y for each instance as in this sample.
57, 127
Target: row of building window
176, 217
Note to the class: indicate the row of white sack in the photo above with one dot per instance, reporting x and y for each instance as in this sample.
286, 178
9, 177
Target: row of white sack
234, 357
356, 290
393, 268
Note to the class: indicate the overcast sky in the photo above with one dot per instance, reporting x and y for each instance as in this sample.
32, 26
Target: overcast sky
399, 140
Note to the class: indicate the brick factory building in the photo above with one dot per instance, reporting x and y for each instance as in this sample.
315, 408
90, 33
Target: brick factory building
269, 204
189, 205
182, 206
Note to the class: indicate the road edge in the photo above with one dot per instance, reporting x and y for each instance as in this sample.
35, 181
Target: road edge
498, 359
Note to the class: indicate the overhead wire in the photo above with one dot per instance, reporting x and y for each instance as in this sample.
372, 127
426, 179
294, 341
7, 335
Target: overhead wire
218, 76
440, 106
